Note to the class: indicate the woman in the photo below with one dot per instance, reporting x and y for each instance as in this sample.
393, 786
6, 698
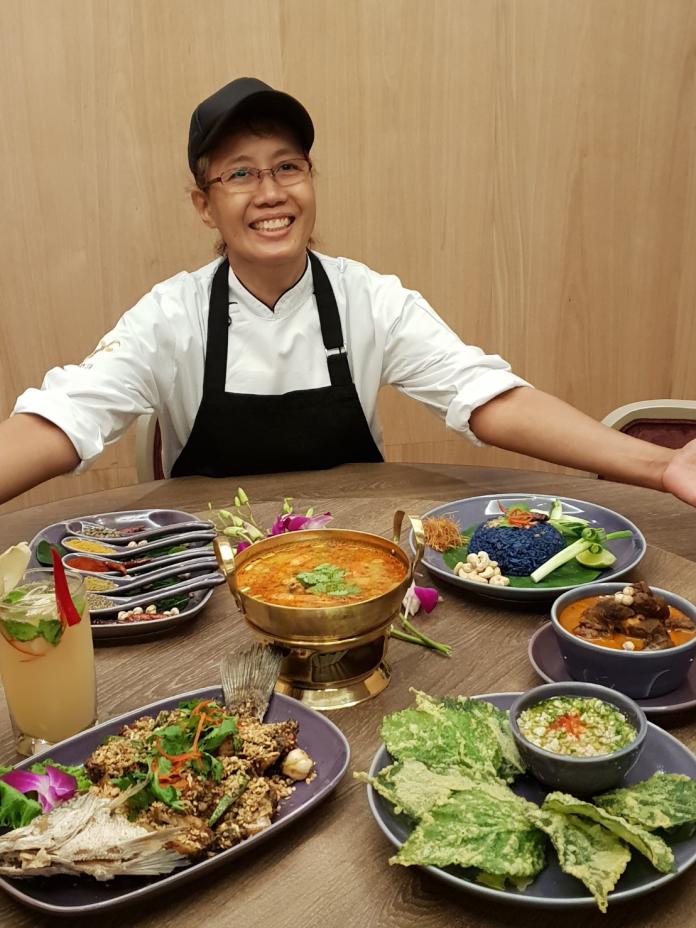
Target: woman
271, 359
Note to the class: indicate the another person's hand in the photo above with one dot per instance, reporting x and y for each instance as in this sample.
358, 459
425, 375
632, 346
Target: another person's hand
679, 477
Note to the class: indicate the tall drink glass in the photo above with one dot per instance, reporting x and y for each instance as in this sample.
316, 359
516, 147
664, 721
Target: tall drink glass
47, 667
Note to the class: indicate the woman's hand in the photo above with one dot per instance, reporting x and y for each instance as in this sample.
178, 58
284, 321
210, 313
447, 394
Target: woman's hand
679, 476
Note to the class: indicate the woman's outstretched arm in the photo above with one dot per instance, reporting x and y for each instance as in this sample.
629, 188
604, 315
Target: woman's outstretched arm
540, 425
32, 450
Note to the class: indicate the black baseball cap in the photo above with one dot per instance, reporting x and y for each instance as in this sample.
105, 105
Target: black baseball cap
250, 96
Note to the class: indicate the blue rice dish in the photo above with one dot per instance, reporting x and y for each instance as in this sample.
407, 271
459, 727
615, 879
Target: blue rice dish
518, 551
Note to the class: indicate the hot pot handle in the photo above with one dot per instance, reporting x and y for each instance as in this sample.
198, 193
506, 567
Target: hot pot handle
418, 532
224, 552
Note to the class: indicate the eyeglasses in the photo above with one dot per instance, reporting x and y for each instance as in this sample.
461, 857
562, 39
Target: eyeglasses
245, 180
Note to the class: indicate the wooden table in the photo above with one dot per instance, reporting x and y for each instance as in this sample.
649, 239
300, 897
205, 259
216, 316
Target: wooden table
331, 870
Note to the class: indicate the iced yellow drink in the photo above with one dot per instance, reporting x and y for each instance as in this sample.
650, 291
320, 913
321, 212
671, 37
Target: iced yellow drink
46, 664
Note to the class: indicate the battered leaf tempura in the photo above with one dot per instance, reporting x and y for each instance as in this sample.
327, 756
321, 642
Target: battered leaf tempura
414, 789
587, 851
486, 826
658, 852
666, 800
454, 733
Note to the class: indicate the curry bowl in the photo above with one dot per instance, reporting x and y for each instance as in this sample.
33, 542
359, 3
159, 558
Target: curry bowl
640, 674
327, 597
574, 773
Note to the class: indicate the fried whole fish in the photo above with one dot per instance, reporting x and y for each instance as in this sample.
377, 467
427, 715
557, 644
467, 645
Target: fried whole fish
89, 834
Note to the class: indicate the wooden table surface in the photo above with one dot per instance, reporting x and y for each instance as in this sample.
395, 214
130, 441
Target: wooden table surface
331, 869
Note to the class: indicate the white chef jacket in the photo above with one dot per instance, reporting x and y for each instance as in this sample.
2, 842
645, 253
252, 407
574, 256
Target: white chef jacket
154, 358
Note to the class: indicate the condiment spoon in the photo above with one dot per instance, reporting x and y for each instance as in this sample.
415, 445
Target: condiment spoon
81, 528
124, 585
206, 581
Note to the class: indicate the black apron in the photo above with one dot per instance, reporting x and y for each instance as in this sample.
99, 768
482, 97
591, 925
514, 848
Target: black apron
243, 433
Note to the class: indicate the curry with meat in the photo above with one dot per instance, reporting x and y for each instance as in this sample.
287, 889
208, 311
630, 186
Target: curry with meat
633, 620
321, 573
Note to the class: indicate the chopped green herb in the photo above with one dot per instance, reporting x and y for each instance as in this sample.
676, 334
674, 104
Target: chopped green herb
328, 579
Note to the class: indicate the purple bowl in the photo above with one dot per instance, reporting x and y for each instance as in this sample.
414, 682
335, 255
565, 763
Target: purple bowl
639, 674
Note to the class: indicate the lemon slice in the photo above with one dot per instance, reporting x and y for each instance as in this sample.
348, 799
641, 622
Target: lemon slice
13, 564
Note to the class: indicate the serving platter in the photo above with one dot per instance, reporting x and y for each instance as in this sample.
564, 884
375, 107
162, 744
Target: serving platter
468, 512
553, 889
546, 659
77, 896
160, 522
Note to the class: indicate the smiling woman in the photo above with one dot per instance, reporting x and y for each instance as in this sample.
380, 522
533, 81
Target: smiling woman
271, 357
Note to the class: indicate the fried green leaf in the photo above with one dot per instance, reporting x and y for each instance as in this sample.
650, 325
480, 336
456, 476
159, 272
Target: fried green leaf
651, 846
666, 800
413, 788
486, 826
585, 850
454, 733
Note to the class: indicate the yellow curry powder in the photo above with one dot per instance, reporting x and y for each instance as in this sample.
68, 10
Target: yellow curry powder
91, 547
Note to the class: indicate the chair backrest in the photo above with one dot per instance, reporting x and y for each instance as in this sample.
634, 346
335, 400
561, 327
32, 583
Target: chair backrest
148, 449
670, 423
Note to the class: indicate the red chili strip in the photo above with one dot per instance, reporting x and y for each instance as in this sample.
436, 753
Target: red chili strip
66, 607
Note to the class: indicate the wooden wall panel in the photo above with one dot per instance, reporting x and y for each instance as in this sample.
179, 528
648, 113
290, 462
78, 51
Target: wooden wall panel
528, 165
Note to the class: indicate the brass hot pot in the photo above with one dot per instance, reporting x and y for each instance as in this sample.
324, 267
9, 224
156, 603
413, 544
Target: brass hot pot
335, 655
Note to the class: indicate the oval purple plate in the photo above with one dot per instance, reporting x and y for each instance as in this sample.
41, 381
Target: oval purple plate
70, 896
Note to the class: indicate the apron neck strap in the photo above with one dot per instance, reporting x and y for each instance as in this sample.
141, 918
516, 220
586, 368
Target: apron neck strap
330, 321
215, 373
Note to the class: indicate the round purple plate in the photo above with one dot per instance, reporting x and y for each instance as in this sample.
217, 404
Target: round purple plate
554, 889
546, 659
73, 896
475, 509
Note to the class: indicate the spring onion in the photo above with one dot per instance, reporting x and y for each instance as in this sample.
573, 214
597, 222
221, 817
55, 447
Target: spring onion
590, 538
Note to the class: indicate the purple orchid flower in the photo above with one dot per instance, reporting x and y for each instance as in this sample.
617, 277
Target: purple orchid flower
51, 787
242, 545
293, 523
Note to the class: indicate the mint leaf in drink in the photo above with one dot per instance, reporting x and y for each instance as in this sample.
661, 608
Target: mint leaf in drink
51, 630
20, 631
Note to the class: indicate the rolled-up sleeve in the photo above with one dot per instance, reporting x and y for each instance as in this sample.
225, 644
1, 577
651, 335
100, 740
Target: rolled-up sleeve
427, 361
125, 376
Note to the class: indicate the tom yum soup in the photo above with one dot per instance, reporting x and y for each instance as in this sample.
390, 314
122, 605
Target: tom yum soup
632, 620
316, 574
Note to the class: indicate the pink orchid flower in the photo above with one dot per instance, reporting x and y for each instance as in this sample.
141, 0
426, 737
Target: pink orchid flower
417, 596
294, 523
51, 787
